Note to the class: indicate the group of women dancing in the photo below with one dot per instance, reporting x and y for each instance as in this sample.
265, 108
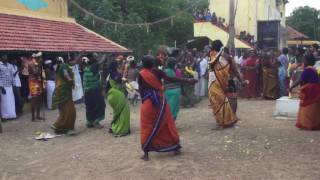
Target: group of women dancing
97, 86
158, 129
160, 95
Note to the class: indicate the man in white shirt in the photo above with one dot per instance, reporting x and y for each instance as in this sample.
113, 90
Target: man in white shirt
8, 109
203, 72
16, 86
201, 85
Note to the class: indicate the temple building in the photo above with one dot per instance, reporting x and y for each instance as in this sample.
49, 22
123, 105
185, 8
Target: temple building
263, 20
44, 25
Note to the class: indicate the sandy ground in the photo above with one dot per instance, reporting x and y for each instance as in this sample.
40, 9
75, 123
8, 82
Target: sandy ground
259, 147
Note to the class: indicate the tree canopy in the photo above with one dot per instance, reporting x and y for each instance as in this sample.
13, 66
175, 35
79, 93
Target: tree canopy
306, 20
139, 39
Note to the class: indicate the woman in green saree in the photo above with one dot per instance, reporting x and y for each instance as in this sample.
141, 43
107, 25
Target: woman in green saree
172, 90
62, 98
120, 125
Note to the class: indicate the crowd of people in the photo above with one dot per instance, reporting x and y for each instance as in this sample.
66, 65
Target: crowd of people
207, 16
163, 83
272, 72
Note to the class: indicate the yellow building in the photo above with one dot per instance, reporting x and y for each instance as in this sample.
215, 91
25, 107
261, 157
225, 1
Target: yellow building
44, 25
249, 13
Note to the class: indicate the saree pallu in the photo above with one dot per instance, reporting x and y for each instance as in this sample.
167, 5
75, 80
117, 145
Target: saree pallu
221, 104
309, 110
158, 129
35, 88
120, 126
62, 98
270, 83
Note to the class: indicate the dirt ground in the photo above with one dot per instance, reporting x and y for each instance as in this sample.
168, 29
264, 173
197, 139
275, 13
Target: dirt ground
259, 147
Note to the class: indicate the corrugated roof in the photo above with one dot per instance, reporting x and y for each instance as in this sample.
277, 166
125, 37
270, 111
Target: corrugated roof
32, 34
294, 34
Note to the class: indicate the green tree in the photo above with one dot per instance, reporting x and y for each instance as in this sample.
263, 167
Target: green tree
180, 29
306, 20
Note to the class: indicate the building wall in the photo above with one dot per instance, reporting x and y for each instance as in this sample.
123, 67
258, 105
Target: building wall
249, 12
52, 9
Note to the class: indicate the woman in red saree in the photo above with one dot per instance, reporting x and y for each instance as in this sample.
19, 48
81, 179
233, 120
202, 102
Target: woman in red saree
250, 72
158, 129
309, 111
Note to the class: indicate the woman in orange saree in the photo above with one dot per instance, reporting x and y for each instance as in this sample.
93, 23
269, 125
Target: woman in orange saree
158, 129
308, 116
222, 90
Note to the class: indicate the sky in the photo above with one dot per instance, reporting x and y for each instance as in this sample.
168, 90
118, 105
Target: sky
297, 3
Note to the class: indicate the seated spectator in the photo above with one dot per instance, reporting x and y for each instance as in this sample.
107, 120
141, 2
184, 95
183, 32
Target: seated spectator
214, 18
200, 16
208, 17
219, 23
243, 35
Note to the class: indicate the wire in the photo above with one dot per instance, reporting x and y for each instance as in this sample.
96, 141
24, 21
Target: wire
147, 24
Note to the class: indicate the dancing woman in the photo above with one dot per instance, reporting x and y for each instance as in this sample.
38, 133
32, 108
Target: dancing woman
172, 90
62, 98
308, 116
222, 90
158, 129
94, 100
120, 125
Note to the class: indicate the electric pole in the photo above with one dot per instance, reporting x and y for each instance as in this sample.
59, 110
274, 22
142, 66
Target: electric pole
232, 31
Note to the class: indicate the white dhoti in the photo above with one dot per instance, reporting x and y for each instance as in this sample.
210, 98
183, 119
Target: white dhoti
8, 107
203, 86
197, 86
134, 91
77, 92
200, 87
50, 88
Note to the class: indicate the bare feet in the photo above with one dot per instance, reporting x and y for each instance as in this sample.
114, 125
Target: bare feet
177, 152
110, 131
145, 157
40, 118
218, 128
98, 126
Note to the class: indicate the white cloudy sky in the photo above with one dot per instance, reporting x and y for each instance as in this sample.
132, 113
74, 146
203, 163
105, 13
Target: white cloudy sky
297, 3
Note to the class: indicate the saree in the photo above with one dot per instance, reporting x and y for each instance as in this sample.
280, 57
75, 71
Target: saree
62, 98
120, 125
250, 73
270, 83
309, 110
222, 103
158, 129
94, 100
308, 116
173, 94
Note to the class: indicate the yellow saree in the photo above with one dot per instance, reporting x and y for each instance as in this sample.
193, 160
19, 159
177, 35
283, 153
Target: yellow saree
221, 106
